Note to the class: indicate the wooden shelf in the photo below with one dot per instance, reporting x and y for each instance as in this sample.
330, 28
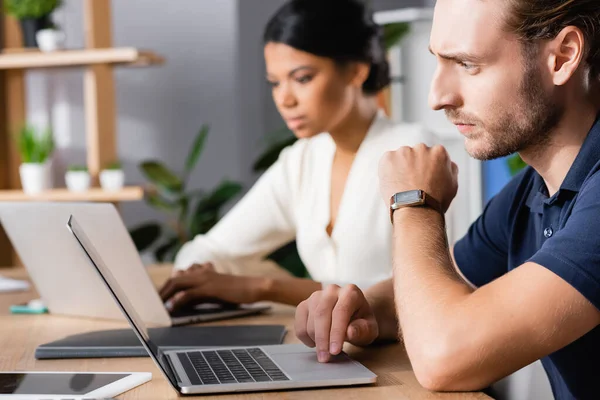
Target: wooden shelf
128, 56
131, 193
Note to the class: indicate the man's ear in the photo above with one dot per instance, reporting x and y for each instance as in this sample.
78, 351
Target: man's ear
567, 50
359, 73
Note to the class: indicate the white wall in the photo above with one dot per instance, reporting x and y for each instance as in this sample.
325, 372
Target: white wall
255, 109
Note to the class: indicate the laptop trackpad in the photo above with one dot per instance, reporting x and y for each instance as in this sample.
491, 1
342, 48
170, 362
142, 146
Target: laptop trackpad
303, 365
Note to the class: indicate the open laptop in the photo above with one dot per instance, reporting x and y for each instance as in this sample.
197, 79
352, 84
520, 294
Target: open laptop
60, 274
220, 370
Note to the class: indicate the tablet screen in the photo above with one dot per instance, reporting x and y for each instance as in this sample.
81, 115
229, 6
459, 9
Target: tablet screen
55, 383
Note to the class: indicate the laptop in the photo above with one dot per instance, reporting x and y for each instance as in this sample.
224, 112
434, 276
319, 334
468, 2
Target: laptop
236, 369
68, 287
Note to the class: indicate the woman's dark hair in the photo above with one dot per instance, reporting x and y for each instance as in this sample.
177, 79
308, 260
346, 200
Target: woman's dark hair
343, 30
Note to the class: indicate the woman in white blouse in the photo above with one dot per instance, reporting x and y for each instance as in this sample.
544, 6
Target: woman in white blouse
326, 63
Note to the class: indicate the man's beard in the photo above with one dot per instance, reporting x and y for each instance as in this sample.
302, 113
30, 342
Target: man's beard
527, 124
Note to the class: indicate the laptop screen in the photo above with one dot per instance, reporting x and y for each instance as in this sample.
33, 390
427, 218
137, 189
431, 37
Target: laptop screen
121, 299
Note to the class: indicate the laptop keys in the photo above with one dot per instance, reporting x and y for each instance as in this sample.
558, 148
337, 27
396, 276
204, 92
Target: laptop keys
267, 365
237, 369
230, 366
189, 369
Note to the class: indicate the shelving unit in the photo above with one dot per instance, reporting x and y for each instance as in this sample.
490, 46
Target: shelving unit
98, 59
127, 56
131, 193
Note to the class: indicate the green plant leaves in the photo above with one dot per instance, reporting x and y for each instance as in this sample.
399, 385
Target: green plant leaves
144, 236
158, 174
196, 149
203, 222
394, 32
269, 157
515, 164
22, 9
172, 197
288, 258
35, 147
221, 195
206, 213
156, 201
166, 252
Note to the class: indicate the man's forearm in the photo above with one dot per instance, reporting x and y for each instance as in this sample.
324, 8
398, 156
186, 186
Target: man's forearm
427, 287
381, 299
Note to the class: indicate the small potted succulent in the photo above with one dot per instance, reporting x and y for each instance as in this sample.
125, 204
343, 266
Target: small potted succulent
112, 178
36, 149
78, 178
33, 15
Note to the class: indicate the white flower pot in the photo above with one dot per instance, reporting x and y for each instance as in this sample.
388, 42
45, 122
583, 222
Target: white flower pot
50, 39
112, 179
35, 178
78, 181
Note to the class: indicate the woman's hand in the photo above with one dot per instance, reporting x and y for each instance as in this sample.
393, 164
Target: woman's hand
201, 283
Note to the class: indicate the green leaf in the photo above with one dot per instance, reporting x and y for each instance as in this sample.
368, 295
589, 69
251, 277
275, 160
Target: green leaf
270, 155
288, 258
515, 164
206, 213
196, 150
21, 9
394, 32
34, 146
144, 236
203, 222
226, 191
166, 252
158, 174
184, 206
156, 201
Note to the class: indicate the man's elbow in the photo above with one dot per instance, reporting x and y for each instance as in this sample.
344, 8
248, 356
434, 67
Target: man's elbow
447, 371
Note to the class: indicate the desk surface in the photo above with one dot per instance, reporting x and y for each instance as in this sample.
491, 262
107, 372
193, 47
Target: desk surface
21, 334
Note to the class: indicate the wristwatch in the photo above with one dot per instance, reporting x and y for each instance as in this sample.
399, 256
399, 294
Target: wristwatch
413, 198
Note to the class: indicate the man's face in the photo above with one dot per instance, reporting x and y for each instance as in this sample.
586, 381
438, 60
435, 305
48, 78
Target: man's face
485, 82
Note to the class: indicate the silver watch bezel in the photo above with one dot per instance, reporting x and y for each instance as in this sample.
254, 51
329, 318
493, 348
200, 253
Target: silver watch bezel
419, 199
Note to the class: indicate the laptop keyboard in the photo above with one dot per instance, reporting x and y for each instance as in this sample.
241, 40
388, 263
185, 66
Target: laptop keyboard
230, 366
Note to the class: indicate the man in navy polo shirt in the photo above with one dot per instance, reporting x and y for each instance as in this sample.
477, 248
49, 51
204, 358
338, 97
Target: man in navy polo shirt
524, 284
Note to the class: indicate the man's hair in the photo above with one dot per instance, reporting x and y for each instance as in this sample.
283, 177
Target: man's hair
534, 20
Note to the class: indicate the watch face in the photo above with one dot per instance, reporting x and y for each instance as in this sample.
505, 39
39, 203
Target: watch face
405, 198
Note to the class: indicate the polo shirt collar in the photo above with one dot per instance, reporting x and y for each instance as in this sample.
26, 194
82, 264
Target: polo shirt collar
588, 157
586, 160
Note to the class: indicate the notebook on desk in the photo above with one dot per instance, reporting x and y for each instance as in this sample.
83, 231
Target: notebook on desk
124, 343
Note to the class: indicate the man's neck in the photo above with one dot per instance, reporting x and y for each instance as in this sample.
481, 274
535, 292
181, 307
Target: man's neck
554, 160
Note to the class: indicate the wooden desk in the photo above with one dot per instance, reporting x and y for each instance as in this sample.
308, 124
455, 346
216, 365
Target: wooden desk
21, 334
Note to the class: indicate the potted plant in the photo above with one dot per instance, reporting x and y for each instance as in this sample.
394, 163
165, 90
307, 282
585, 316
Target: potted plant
112, 178
190, 211
77, 178
36, 149
50, 39
33, 16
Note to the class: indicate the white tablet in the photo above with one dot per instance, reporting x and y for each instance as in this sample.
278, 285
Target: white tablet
71, 385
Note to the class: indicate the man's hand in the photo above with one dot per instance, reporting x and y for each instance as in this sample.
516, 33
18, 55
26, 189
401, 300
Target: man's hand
201, 283
332, 316
426, 168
